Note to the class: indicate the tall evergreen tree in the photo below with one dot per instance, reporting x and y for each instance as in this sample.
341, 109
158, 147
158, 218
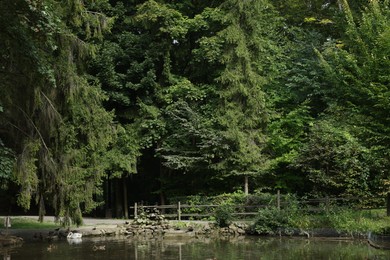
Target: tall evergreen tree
53, 119
250, 54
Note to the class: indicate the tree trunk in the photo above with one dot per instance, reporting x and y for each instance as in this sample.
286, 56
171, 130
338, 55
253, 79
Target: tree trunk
108, 199
246, 185
42, 210
125, 203
162, 197
118, 199
388, 204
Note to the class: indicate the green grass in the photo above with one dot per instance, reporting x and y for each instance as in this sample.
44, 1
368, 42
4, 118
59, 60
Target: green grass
26, 223
342, 219
346, 220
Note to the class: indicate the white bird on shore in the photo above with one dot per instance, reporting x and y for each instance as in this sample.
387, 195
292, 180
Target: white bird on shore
75, 235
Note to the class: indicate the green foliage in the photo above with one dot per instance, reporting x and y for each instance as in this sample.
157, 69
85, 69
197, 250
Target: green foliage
384, 230
297, 12
53, 115
124, 152
170, 22
189, 147
26, 173
149, 217
343, 219
271, 221
240, 78
335, 161
287, 133
193, 201
166, 71
24, 223
348, 220
234, 198
358, 71
293, 94
246, 68
261, 198
223, 215
7, 161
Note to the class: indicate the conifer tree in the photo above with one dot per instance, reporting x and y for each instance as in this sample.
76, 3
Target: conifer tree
53, 119
249, 57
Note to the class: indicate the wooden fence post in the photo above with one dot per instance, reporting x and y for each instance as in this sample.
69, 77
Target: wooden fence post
278, 200
135, 210
178, 211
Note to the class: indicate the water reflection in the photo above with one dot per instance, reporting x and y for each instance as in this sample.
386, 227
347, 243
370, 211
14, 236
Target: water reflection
6, 256
143, 248
74, 241
6, 252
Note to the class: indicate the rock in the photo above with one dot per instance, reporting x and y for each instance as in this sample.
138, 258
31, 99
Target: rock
52, 237
206, 228
241, 231
233, 228
108, 232
93, 232
172, 232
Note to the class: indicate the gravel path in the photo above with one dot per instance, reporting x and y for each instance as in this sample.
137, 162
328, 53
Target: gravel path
88, 224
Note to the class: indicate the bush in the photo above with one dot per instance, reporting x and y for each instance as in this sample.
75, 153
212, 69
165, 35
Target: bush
270, 221
235, 198
223, 215
193, 201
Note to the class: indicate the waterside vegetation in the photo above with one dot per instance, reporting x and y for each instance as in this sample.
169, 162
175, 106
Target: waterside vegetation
224, 217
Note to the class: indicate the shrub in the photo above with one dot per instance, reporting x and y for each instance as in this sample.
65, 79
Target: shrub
236, 198
355, 221
270, 221
223, 215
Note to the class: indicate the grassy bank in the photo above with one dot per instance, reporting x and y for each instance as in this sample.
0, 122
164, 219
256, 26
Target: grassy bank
28, 223
344, 220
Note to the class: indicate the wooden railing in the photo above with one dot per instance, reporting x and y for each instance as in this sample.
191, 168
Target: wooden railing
179, 211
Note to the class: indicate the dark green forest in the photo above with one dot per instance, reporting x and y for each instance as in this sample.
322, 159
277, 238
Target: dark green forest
104, 103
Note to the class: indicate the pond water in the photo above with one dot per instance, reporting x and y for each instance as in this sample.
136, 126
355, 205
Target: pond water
195, 248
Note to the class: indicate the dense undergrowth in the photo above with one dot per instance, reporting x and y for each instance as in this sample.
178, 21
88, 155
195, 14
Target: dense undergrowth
290, 217
271, 221
351, 217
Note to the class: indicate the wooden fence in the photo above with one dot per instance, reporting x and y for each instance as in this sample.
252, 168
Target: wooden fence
181, 211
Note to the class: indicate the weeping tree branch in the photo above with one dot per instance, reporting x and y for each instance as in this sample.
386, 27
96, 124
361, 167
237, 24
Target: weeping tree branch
36, 128
51, 104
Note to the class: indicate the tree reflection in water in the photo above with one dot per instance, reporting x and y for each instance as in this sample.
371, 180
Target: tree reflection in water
143, 248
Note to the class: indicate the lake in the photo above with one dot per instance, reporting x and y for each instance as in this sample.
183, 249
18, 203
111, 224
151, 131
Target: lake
195, 248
